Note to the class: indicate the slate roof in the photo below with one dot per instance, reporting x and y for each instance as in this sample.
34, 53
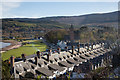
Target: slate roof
91, 56
73, 61
64, 63
88, 58
65, 60
45, 71
25, 65
19, 68
32, 65
79, 59
56, 67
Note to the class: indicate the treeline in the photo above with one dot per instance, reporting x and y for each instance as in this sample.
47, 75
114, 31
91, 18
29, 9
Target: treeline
84, 34
55, 35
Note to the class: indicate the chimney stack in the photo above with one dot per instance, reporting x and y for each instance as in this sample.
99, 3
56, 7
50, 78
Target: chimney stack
83, 45
38, 54
23, 57
101, 44
50, 51
73, 49
12, 64
91, 45
48, 56
66, 49
78, 48
88, 47
59, 50
36, 60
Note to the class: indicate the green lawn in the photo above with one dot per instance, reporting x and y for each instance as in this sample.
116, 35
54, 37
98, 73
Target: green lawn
27, 49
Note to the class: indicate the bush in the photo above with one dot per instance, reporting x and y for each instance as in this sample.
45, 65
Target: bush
5, 69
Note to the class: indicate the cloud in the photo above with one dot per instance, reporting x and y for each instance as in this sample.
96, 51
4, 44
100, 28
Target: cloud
7, 6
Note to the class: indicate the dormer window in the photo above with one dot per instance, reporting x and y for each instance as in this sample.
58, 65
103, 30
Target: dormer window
17, 65
87, 55
51, 61
71, 55
77, 53
20, 65
90, 53
68, 56
60, 58
56, 60
45, 63
64, 57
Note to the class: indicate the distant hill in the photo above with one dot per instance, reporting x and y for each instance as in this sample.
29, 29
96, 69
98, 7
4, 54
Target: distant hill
30, 27
108, 19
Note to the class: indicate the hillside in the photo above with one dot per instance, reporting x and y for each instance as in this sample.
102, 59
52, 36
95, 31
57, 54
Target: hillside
23, 27
91, 19
27, 28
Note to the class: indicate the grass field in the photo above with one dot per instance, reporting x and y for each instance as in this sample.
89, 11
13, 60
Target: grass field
27, 49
